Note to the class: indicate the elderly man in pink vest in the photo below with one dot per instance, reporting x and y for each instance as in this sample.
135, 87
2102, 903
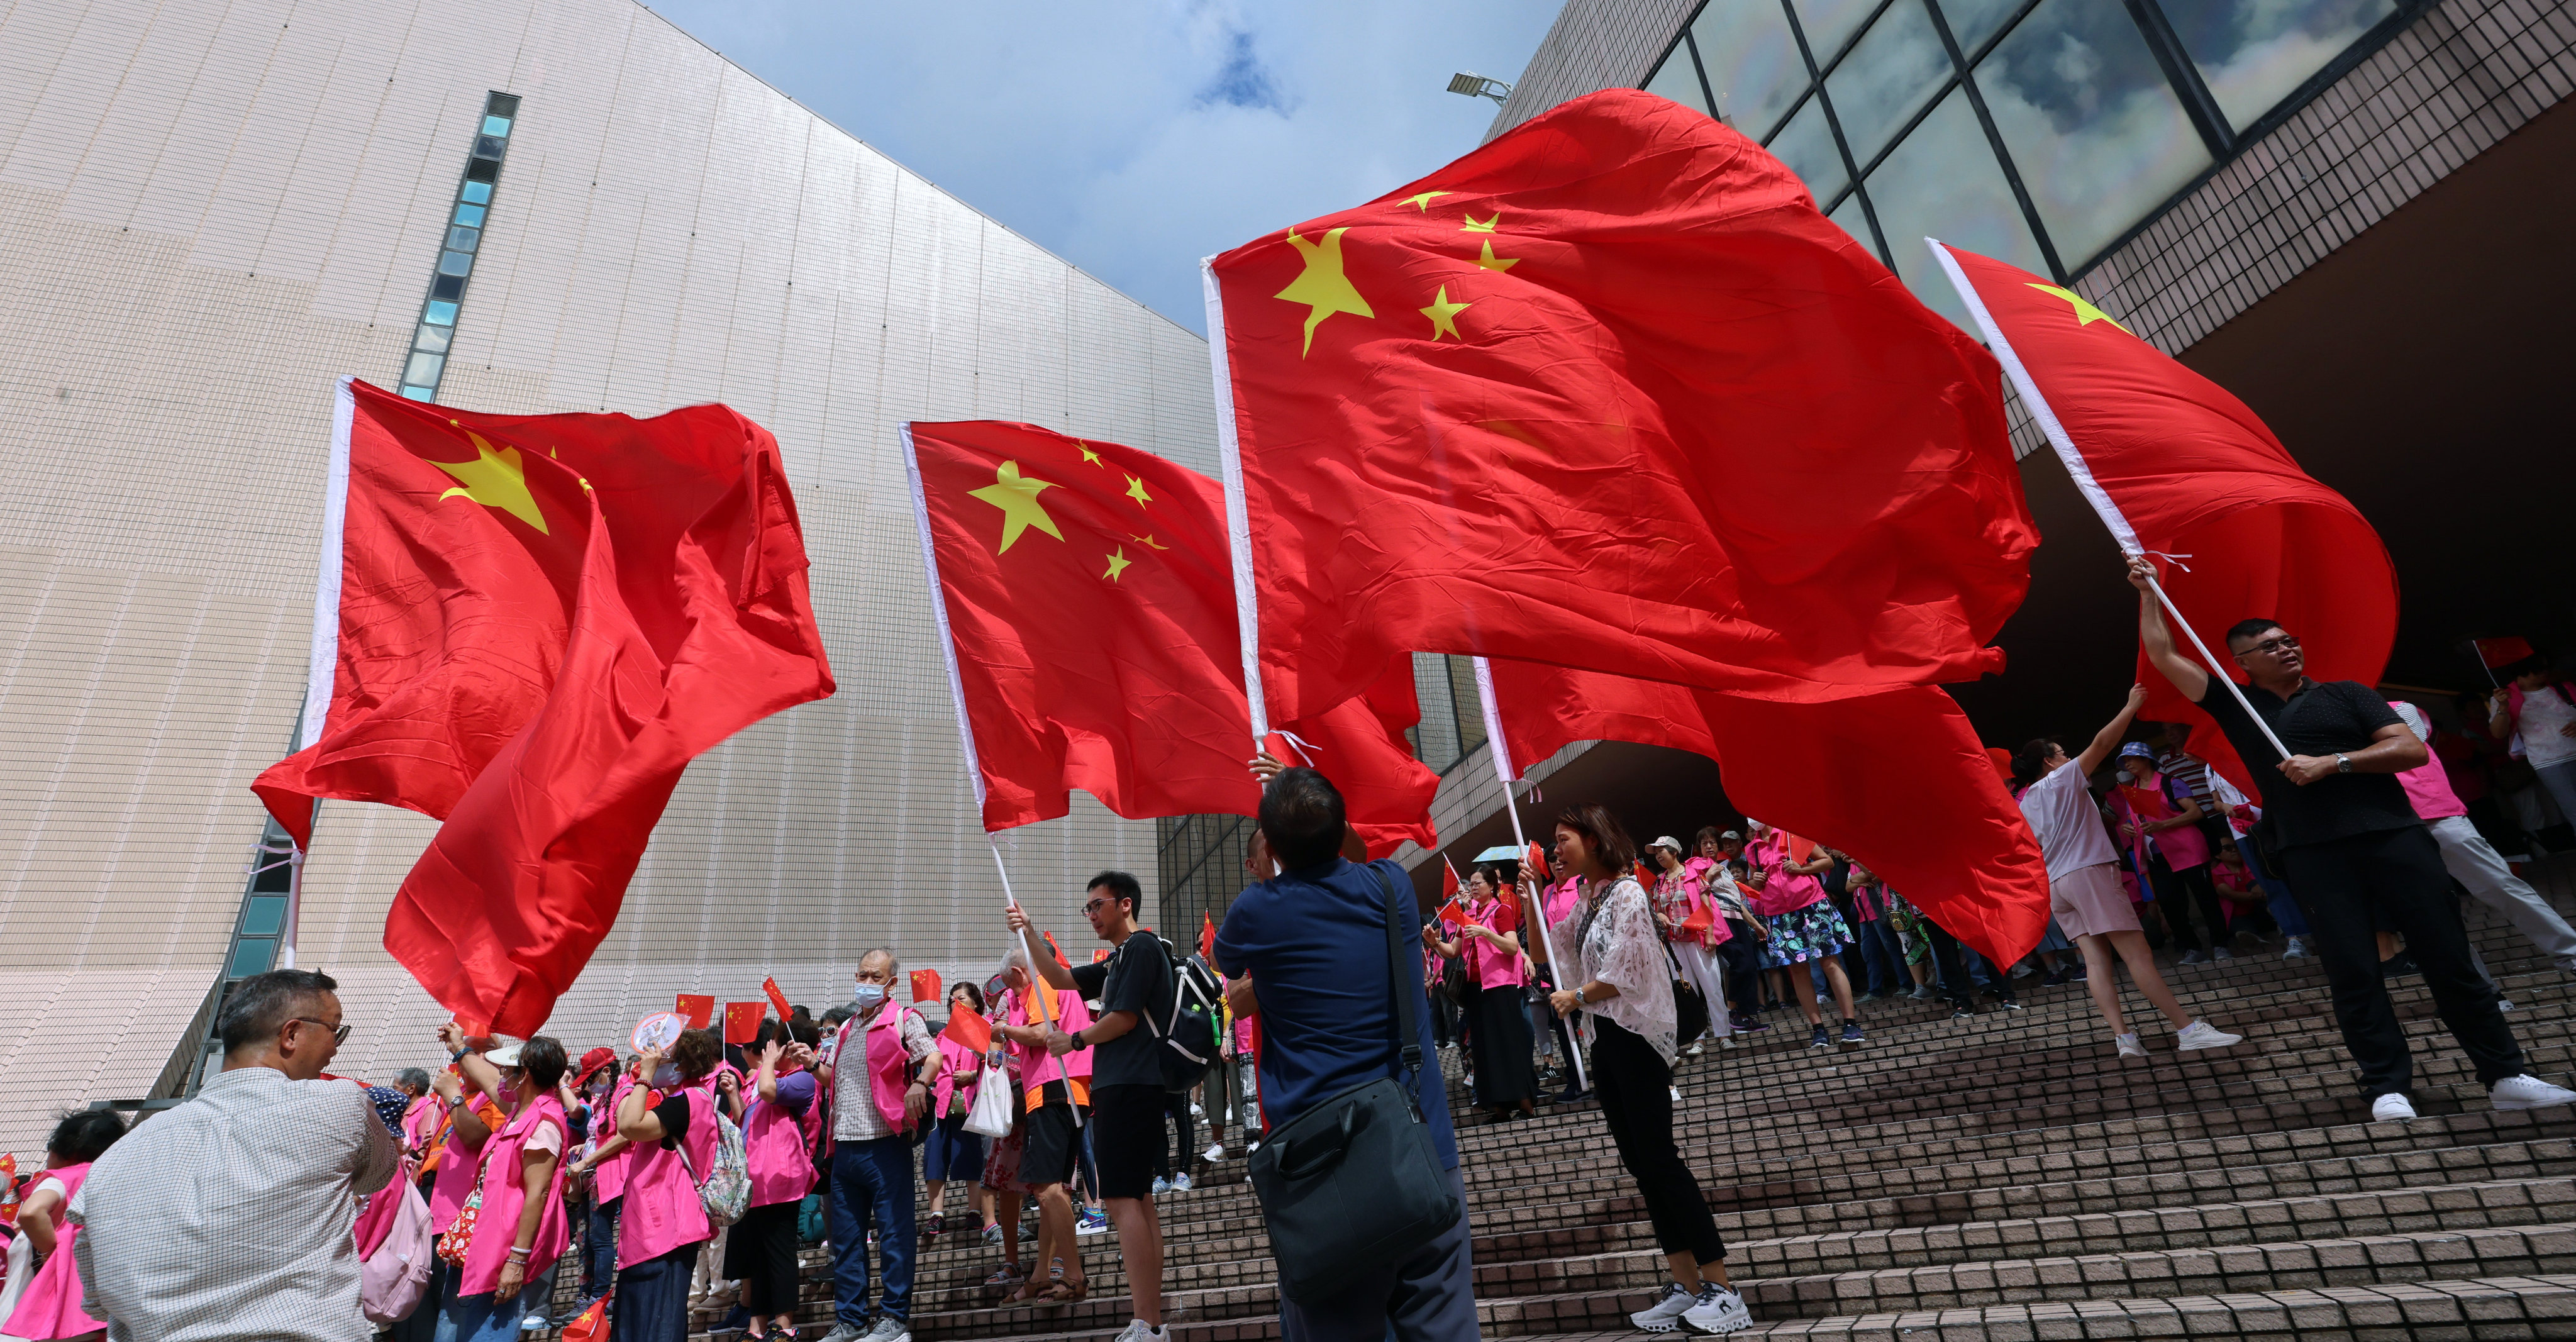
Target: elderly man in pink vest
878, 1070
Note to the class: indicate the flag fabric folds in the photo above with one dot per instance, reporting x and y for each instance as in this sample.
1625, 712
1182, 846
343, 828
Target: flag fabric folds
696, 1008
1087, 613
1607, 392
528, 625
968, 1028
2179, 468
742, 1021
1896, 779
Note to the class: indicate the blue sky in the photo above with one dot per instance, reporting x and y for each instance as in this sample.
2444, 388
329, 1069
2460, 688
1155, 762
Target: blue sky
1133, 137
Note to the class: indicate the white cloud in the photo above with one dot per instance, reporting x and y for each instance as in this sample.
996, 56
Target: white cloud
1134, 138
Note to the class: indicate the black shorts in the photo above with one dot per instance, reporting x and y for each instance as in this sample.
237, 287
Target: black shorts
1050, 1143
1127, 1139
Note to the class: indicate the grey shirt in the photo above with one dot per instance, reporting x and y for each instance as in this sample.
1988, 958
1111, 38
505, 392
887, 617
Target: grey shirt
229, 1216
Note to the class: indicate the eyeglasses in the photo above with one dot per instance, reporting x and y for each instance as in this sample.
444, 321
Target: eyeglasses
1095, 906
2285, 643
339, 1033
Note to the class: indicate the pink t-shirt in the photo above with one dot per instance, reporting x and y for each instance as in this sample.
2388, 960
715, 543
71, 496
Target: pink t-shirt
2428, 785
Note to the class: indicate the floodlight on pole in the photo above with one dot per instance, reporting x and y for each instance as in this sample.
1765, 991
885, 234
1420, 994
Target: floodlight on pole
1478, 86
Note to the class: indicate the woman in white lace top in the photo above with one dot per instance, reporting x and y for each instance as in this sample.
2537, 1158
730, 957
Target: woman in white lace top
1614, 959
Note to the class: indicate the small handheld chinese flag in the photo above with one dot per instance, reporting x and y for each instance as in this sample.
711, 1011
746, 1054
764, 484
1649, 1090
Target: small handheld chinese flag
776, 998
2496, 652
1702, 917
1059, 950
1448, 878
1536, 861
1207, 938
1452, 912
742, 1021
925, 985
591, 1325
1100, 955
698, 1009
1507, 910
1645, 875
969, 1029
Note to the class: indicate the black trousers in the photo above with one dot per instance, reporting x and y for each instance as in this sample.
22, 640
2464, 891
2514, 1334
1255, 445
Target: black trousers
2395, 879
1635, 1087
2175, 889
1185, 1137
1741, 953
1951, 972
761, 1254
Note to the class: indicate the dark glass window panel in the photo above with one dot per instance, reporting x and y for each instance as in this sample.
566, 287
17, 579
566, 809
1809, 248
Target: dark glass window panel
2254, 53
1829, 24
1898, 66
455, 263
1974, 22
470, 215
489, 146
275, 874
502, 104
251, 955
1806, 145
1752, 62
1469, 707
265, 916
481, 170
2092, 124
464, 239
477, 193
447, 288
497, 127
1943, 182
1678, 80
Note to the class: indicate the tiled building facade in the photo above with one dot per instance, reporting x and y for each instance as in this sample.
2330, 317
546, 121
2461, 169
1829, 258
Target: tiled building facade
212, 211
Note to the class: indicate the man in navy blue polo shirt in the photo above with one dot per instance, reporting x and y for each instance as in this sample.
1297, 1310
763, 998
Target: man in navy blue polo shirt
1312, 942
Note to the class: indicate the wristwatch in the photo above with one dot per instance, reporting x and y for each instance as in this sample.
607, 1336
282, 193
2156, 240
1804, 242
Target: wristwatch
2342, 765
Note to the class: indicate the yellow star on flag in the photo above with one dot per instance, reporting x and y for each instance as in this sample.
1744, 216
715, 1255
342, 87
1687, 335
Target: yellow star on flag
1492, 262
2085, 313
1017, 496
1444, 314
1487, 226
1087, 454
1147, 539
1118, 562
495, 480
1322, 286
1136, 491
1423, 202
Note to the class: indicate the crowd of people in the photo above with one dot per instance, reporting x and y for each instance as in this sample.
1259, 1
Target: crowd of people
690, 1176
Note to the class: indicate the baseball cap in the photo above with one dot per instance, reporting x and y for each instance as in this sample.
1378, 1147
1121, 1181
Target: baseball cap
1732, 834
1668, 841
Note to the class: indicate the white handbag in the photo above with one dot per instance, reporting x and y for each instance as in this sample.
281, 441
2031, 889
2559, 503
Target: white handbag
991, 1114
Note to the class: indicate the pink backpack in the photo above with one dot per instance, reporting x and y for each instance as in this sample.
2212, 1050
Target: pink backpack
392, 1278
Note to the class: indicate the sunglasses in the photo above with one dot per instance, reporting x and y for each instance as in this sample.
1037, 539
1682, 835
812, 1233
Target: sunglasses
339, 1033
2285, 643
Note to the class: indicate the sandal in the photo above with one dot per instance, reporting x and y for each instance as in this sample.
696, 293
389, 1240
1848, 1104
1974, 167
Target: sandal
1065, 1292
1010, 1274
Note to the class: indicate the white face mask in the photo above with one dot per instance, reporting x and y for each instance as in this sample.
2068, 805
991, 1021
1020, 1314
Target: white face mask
666, 1076
869, 994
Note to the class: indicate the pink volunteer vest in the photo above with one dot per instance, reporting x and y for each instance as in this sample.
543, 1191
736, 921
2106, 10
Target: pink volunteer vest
1492, 968
608, 1177
963, 1062
774, 1144
51, 1304
662, 1211
456, 1175
496, 1225
1036, 1068
886, 1063
1785, 892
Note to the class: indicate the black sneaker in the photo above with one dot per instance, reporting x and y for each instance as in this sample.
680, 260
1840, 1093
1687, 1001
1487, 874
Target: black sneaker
1852, 1037
2010, 1004
2399, 965
1962, 1011
1822, 1039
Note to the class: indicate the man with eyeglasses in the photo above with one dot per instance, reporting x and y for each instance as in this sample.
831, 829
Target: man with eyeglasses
229, 1216
1127, 1095
2354, 852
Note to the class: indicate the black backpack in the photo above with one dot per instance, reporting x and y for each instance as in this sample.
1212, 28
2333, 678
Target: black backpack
1188, 1030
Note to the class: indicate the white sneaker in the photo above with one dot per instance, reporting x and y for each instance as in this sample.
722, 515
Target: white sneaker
1196, 1111
1181, 1182
2201, 1034
2394, 1108
1214, 1153
2297, 949
1161, 1185
1138, 1330
1717, 1310
2222, 953
2528, 1092
1665, 1315
1693, 1051
2129, 1045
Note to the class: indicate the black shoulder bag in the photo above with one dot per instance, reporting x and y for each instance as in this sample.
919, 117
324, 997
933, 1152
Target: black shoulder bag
1355, 1183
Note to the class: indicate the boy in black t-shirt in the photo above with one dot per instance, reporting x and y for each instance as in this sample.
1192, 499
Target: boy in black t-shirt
2354, 852
1127, 1095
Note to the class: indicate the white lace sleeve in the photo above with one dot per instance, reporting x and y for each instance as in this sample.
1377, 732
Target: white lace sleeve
1624, 951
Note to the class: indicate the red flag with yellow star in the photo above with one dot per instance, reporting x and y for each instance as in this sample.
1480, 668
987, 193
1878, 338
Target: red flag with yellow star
2177, 466
1087, 609
528, 626
1609, 392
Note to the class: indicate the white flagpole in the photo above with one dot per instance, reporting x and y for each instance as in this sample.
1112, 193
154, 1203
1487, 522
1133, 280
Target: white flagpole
2082, 471
948, 647
1502, 753
1238, 514
322, 664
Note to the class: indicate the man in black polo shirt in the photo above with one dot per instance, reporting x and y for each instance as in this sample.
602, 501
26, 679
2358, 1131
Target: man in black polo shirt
2354, 852
1127, 1095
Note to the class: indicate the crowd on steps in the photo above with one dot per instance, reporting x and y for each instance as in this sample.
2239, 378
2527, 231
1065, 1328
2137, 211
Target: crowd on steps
1728, 1084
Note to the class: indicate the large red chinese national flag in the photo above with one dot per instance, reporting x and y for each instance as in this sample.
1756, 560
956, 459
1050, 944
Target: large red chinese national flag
2177, 466
1087, 610
1609, 392
528, 626
1897, 779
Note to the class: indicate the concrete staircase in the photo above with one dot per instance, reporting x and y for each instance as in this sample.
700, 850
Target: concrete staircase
2004, 1177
